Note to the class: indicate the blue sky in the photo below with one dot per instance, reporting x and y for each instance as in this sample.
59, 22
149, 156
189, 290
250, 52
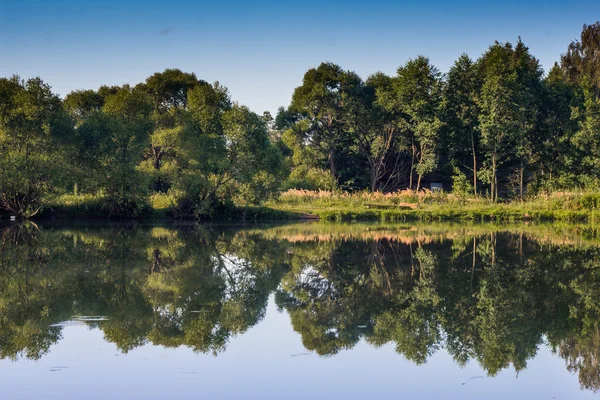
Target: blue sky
261, 49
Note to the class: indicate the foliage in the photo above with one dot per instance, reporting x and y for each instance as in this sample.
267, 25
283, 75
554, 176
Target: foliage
461, 185
33, 127
307, 178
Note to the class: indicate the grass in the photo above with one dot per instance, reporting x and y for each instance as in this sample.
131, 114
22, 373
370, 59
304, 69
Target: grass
438, 206
399, 206
88, 207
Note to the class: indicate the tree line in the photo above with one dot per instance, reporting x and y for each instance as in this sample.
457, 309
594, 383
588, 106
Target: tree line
179, 143
174, 139
498, 120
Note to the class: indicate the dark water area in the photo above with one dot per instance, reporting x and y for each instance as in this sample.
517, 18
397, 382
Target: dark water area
299, 311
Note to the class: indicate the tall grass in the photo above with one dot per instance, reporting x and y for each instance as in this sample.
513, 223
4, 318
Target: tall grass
427, 205
408, 198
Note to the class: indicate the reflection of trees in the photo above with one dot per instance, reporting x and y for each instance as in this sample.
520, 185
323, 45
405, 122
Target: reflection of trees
171, 287
490, 296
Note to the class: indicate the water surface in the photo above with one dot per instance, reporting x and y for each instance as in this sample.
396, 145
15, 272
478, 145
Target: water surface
299, 311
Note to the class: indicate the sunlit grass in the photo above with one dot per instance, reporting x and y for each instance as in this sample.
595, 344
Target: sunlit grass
427, 205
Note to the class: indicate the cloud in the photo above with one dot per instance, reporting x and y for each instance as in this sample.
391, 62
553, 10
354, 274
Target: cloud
166, 31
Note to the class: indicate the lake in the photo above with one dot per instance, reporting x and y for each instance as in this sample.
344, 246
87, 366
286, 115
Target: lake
313, 310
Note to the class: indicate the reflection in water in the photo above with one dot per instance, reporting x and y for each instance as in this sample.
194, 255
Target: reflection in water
484, 293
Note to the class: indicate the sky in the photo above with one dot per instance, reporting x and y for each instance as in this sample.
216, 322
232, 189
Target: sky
261, 49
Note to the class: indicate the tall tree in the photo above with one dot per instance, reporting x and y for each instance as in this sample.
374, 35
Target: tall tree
558, 165
498, 118
376, 134
320, 102
33, 127
113, 141
169, 93
581, 65
417, 89
461, 110
529, 92
169, 89
581, 61
80, 103
587, 137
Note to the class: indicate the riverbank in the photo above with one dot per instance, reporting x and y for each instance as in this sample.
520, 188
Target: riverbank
401, 206
86, 207
438, 206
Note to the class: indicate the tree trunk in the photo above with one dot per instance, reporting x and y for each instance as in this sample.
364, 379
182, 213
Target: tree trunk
474, 163
521, 178
494, 182
332, 163
496, 186
412, 164
374, 172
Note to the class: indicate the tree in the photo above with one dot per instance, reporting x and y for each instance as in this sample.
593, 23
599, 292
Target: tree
587, 137
375, 132
81, 103
581, 62
169, 89
558, 155
460, 110
498, 119
320, 103
33, 127
112, 142
225, 152
417, 90
581, 66
528, 98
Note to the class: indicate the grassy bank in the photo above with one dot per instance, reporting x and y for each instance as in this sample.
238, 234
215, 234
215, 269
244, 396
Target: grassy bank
86, 207
438, 206
401, 206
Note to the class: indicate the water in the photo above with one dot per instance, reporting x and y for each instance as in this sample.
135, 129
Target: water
299, 311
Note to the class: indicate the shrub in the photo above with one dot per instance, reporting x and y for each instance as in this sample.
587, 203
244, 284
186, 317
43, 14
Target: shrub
307, 178
461, 187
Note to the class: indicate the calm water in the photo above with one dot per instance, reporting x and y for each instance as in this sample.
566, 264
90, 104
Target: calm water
315, 311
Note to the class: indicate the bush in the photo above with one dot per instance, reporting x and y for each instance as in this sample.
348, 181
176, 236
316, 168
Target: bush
461, 187
307, 178
590, 201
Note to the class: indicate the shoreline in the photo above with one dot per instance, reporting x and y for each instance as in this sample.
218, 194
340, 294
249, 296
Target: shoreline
283, 212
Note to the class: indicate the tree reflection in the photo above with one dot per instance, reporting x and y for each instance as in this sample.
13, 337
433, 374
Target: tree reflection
492, 295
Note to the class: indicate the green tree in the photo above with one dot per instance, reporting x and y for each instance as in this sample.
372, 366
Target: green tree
320, 104
529, 101
112, 142
460, 110
81, 103
377, 136
498, 118
33, 129
558, 156
580, 63
417, 99
226, 154
587, 137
